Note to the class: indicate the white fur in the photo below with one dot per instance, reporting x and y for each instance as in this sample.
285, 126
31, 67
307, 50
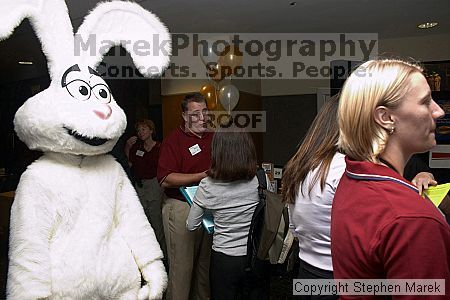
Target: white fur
41, 120
51, 23
78, 230
17, 10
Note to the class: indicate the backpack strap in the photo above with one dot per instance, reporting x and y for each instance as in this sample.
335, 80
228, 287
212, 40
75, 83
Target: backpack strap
251, 243
261, 175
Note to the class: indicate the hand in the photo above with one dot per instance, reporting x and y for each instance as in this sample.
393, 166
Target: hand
156, 277
423, 180
202, 175
131, 141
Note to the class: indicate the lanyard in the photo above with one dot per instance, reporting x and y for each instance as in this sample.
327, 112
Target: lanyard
388, 164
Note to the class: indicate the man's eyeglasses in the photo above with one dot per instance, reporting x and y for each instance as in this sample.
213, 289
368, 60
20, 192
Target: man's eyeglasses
198, 115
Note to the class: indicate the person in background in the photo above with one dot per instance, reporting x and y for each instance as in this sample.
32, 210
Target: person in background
143, 154
231, 192
185, 158
308, 185
380, 226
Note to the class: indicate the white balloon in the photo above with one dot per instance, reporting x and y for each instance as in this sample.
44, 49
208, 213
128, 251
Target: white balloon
211, 48
210, 57
229, 97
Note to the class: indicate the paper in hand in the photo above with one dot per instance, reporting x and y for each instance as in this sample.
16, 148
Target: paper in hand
437, 193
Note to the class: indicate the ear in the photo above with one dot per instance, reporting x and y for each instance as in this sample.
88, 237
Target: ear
383, 118
185, 116
129, 25
51, 22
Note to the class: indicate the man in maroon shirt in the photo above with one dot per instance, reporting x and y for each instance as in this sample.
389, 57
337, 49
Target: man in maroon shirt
184, 159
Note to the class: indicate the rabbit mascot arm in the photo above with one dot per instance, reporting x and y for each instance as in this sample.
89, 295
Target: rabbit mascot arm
78, 230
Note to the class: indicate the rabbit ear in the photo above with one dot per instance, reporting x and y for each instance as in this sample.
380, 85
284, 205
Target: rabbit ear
13, 12
51, 23
129, 25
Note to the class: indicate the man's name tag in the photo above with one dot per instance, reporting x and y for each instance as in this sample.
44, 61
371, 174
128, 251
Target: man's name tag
195, 149
140, 153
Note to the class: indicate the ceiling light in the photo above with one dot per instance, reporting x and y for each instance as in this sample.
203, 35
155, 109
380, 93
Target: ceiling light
25, 62
427, 25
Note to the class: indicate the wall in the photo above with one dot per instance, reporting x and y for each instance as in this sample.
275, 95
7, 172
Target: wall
276, 87
183, 86
288, 119
424, 48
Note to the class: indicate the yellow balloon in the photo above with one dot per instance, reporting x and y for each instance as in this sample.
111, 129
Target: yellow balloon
210, 93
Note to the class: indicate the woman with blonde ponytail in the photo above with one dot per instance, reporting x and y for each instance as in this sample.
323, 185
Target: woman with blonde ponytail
381, 228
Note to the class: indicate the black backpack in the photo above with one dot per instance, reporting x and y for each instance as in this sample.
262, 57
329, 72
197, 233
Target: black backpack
269, 238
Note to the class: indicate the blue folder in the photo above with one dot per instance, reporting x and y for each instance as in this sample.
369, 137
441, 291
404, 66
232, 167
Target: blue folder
208, 219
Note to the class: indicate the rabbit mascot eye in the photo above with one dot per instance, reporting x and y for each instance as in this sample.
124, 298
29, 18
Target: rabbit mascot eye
78, 230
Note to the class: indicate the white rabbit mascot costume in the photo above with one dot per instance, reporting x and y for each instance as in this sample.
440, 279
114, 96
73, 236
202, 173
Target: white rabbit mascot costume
78, 230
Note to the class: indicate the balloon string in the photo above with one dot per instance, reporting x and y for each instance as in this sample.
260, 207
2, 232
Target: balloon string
229, 105
229, 100
216, 86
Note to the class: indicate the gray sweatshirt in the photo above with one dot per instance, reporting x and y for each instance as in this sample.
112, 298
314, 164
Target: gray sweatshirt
232, 205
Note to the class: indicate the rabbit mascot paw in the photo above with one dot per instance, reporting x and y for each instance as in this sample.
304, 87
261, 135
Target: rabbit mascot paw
78, 230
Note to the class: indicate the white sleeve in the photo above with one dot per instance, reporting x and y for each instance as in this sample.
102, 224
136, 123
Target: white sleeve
195, 217
140, 237
32, 225
134, 226
197, 210
337, 169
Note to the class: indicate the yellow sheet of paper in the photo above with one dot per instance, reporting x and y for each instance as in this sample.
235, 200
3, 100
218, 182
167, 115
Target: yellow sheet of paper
437, 193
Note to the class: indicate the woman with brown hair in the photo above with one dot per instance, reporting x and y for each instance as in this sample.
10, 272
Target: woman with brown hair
230, 192
309, 182
142, 152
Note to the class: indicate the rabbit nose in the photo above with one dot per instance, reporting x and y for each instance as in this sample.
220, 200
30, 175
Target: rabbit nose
103, 113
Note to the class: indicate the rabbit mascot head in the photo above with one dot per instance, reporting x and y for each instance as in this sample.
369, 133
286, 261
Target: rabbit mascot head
78, 230
77, 114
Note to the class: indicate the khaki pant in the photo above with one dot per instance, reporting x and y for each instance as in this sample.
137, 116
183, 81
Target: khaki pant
151, 195
188, 252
